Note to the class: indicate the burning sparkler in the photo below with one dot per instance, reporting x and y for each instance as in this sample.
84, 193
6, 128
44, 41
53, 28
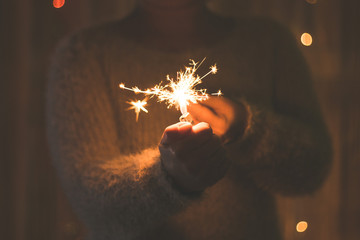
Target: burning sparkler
179, 93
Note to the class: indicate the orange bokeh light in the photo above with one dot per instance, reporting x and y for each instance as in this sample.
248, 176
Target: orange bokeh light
301, 226
58, 3
306, 39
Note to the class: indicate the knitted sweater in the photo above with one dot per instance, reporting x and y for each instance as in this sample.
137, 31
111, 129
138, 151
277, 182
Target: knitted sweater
109, 164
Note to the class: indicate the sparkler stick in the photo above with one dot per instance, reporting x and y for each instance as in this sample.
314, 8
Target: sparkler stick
179, 93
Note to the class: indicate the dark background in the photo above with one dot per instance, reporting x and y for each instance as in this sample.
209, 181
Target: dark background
32, 204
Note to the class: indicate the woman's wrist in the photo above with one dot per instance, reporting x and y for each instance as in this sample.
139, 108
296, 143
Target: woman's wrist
241, 123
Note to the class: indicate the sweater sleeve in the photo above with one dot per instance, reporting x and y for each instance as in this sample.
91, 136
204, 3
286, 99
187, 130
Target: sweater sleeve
116, 195
286, 148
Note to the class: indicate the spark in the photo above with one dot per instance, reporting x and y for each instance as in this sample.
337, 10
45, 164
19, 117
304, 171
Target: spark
138, 106
218, 93
214, 69
179, 92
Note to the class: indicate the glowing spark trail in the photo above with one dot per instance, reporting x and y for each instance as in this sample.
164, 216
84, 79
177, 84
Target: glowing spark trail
179, 93
138, 106
219, 93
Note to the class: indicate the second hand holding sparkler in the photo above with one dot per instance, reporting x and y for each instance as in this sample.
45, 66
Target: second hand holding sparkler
194, 155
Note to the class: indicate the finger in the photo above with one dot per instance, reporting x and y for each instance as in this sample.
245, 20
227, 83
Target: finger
202, 128
221, 106
201, 113
173, 129
199, 135
183, 147
175, 132
185, 128
169, 133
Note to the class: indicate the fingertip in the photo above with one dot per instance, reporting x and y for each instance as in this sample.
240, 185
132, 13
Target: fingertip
174, 128
185, 128
173, 132
202, 127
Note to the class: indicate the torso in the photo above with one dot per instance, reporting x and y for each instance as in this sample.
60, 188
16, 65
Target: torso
234, 206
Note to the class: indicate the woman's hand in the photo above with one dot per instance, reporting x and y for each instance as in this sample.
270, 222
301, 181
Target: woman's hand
193, 156
228, 119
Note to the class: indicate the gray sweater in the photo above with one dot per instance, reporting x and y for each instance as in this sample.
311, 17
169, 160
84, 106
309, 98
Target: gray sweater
109, 164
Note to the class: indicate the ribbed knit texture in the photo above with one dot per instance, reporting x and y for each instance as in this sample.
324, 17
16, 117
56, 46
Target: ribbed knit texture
109, 164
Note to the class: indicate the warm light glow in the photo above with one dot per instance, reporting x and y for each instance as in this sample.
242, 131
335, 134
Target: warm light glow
58, 3
219, 93
138, 106
179, 93
312, 1
213, 69
301, 226
306, 39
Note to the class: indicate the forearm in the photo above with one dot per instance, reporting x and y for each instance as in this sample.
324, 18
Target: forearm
282, 153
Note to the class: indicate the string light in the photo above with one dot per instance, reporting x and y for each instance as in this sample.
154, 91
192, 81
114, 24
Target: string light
306, 39
58, 3
301, 226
